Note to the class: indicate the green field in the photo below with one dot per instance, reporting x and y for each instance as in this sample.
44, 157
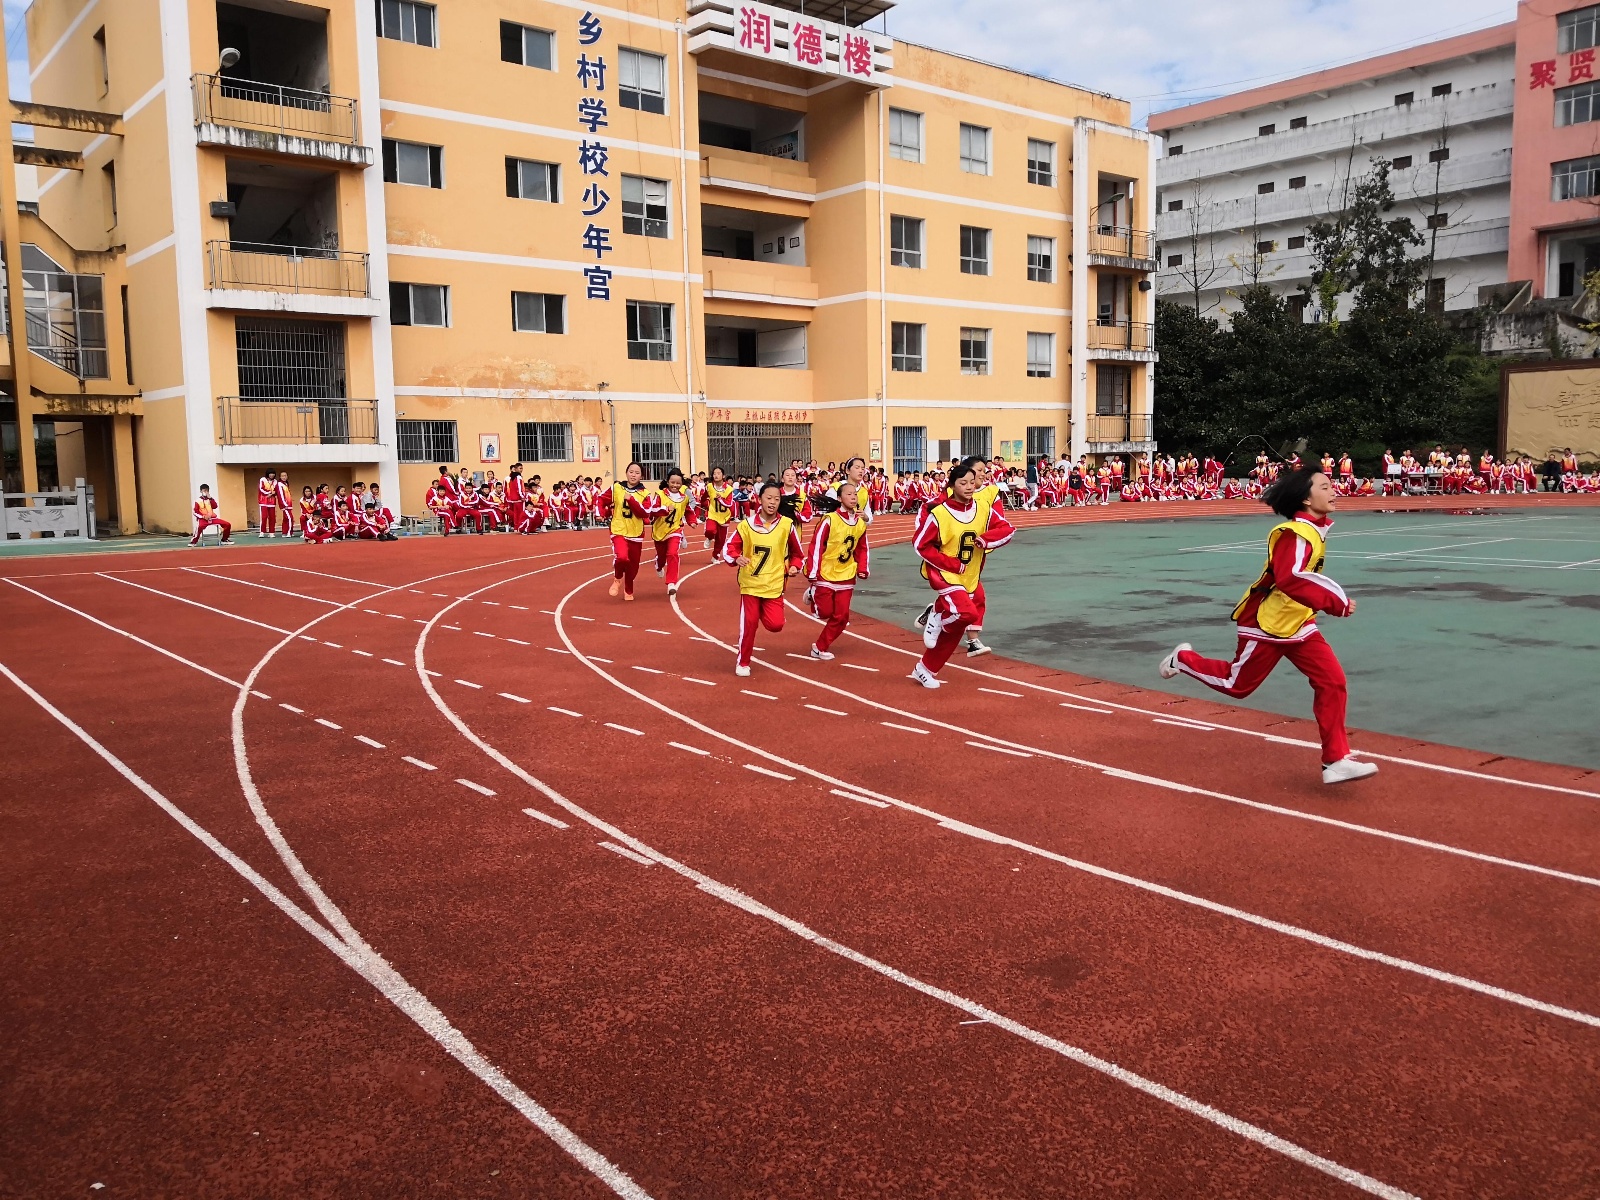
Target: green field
1479, 631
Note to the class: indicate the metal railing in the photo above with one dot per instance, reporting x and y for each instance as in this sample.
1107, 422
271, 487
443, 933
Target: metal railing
58, 344
273, 268
325, 422
1119, 333
1122, 241
1126, 427
273, 108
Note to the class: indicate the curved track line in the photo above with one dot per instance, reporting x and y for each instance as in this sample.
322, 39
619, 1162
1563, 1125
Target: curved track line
740, 900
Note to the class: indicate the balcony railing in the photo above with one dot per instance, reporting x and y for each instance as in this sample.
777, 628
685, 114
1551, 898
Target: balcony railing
273, 108
265, 267
1123, 242
1125, 427
325, 422
1119, 333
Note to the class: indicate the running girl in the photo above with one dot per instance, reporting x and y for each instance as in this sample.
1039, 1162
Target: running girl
766, 548
837, 558
1277, 618
672, 502
719, 510
952, 540
627, 506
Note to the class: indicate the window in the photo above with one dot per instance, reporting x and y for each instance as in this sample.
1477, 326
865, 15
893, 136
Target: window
1041, 442
1574, 178
1297, 181
1441, 89
1041, 162
1576, 30
644, 206
419, 304
1403, 98
1577, 105
1401, 162
544, 441
426, 441
102, 60
1042, 259
905, 135
643, 84
1041, 355
974, 250
1174, 205
1266, 189
1174, 260
910, 448
407, 21
1266, 247
1442, 154
1111, 383
413, 163
906, 346
529, 180
1297, 123
1266, 131
649, 331
974, 351
1174, 151
905, 241
974, 149
538, 312
977, 441
1438, 220
655, 448
1297, 242
527, 46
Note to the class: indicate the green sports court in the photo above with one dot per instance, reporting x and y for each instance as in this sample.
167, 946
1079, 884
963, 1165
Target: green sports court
1474, 630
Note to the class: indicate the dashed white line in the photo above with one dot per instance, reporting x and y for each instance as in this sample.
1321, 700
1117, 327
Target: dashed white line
373, 611
764, 771
712, 641
363, 653
491, 603
902, 728
291, 708
801, 657
435, 674
701, 682
366, 741
518, 642
417, 621
628, 854
306, 637
518, 699
394, 662
259, 695
575, 616
648, 670
394, 616
613, 624
662, 632
624, 729
999, 749
1104, 712
457, 628
547, 612
335, 645
414, 592
757, 695
545, 817
468, 683
441, 596
861, 799
475, 787
326, 723
555, 649
690, 749
481, 633
859, 667
998, 692
522, 608
1183, 724
417, 762
597, 658
832, 712
565, 712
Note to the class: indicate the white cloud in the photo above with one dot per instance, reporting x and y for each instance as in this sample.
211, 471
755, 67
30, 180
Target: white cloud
1162, 54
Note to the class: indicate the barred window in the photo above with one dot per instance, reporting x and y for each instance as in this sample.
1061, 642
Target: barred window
905, 135
1041, 442
977, 441
288, 359
649, 331
644, 81
974, 351
544, 441
527, 179
1042, 259
1041, 162
407, 21
1041, 355
906, 346
974, 250
426, 441
1573, 179
644, 206
1577, 105
655, 448
1112, 383
905, 241
910, 448
538, 312
527, 47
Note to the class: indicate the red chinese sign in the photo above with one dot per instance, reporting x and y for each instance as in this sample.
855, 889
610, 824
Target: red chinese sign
806, 45
1580, 66
1543, 74
759, 415
805, 42
755, 30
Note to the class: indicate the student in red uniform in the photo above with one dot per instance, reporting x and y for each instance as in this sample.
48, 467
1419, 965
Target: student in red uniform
765, 547
1277, 618
719, 510
285, 504
837, 558
207, 514
627, 506
952, 540
267, 501
666, 529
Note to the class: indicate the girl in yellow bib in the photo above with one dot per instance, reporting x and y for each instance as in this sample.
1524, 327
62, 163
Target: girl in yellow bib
672, 502
628, 507
719, 511
766, 549
837, 558
1277, 618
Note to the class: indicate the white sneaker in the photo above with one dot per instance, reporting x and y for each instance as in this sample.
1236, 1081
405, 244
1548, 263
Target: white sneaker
931, 630
1347, 769
1169, 664
741, 672
672, 589
922, 617
822, 655
976, 648
924, 676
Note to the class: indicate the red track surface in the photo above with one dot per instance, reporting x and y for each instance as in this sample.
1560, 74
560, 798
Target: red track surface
1020, 937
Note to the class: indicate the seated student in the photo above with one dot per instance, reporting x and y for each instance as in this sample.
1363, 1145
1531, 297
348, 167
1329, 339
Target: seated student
208, 515
344, 522
442, 504
313, 528
374, 527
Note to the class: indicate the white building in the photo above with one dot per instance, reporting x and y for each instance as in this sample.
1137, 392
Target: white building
1242, 176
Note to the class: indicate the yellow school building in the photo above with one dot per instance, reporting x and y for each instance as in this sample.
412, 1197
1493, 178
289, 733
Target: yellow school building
356, 240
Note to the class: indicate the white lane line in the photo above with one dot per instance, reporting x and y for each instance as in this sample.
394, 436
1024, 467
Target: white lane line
335, 645
565, 712
547, 612
860, 799
902, 728
518, 642
456, 628
801, 657
613, 624
757, 695
394, 662
373, 611
363, 653
545, 817
435, 674
493, 603
685, 678
998, 692
859, 667
417, 762
555, 649
366, 741
1181, 724
690, 749
1104, 712
597, 658
476, 632
415, 592
394, 616
624, 729
220, 612
576, 617
418, 621
649, 670
999, 749
259, 695
306, 637
765, 771
518, 699
832, 712
519, 608
292, 708
713, 641
475, 787
628, 854
662, 632
468, 683
326, 724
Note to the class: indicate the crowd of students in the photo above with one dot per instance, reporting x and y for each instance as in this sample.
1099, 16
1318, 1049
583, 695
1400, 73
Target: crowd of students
325, 514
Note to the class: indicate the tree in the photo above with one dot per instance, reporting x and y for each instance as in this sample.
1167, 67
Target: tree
1200, 266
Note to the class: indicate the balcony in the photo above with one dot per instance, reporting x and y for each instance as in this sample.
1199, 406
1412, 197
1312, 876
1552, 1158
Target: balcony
757, 174
766, 283
262, 277
64, 314
1120, 339
312, 430
1121, 246
249, 115
1120, 434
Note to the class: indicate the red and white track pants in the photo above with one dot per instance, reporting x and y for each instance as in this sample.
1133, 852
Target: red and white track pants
625, 556
754, 612
833, 607
1253, 662
960, 611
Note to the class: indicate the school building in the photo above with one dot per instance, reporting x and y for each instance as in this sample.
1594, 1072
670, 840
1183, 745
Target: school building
355, 239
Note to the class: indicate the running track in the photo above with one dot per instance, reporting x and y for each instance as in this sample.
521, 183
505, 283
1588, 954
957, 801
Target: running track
431, 869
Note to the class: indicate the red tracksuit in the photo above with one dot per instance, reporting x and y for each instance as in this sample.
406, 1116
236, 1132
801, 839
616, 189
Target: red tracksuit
837, 558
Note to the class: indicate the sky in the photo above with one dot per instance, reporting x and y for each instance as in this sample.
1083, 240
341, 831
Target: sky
1158, 54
